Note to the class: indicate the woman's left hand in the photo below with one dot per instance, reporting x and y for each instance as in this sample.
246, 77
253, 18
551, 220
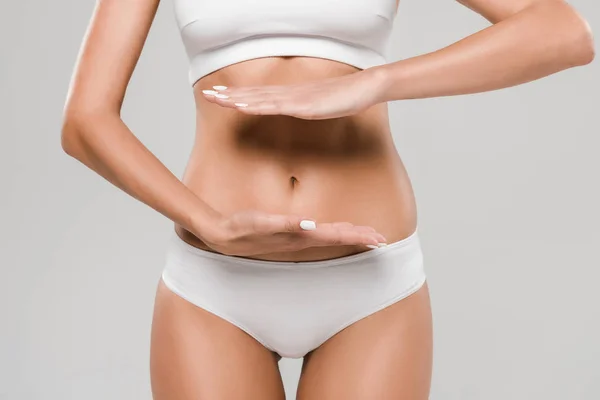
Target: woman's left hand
321, 99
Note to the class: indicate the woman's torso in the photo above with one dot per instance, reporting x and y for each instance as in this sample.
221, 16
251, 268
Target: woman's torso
335, 170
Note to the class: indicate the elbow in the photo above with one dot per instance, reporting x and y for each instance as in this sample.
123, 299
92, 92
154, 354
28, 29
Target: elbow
580, 42
586, 45
72, 131
76, 124
69, 134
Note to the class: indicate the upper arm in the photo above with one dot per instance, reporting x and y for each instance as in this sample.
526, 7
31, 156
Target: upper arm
497, 10
558, 14
108, 55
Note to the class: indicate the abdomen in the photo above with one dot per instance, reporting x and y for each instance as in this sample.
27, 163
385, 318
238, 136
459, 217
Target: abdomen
334, 170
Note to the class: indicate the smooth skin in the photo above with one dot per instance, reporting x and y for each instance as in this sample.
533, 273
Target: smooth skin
324, 153
529, 39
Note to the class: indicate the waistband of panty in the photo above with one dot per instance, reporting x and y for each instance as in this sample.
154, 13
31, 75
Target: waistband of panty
181, 249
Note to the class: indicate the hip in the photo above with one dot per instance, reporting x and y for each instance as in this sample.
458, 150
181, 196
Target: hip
292, 308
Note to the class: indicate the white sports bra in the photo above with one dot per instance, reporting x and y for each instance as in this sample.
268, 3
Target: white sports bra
217, 33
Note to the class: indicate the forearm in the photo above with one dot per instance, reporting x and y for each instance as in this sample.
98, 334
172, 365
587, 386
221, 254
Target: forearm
538, 41
106, 145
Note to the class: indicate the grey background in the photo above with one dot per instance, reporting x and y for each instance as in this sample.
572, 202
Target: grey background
506, 184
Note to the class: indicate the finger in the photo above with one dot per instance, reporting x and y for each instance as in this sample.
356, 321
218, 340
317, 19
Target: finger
255, 90
279, 107
336, 225
360, 229
380, 238
223, 100
278, 223
257, 97
340, 237
263, 105
357, 228
209, 95
259, 108
220, 99
369, 230
365, 229
245, 90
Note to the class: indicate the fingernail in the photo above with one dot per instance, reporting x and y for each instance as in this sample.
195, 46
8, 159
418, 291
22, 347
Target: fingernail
382, 244
372, 246
221, 96
308, 225
241, 104
212, 92
219, 87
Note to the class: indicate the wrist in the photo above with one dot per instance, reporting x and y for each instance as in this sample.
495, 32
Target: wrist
205, 222
379, 82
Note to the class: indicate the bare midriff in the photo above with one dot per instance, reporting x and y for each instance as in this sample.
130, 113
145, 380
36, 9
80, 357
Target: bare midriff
333, 170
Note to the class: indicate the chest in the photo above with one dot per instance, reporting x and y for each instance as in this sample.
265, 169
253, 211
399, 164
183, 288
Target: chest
296, 14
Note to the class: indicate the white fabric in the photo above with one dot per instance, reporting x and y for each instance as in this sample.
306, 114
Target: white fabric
293, 307
218, 33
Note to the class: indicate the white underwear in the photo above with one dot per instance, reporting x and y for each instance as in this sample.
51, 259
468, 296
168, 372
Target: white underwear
292, 308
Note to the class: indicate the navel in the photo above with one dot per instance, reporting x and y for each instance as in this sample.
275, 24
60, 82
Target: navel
293, 182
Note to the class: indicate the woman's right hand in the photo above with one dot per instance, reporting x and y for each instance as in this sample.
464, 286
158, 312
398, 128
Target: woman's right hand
248, 233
